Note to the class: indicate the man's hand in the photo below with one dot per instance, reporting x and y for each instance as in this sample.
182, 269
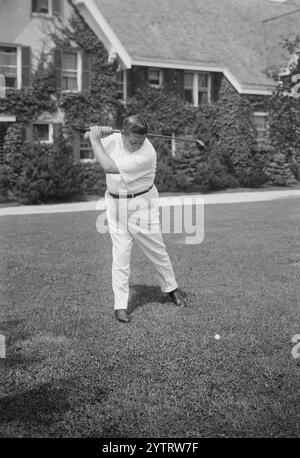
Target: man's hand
97, 132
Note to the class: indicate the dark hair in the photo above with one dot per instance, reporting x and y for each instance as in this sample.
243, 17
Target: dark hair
135, 124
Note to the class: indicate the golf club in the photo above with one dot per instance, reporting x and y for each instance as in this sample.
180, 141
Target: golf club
198, 142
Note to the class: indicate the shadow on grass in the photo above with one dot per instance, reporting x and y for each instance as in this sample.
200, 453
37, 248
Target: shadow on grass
143, 294
34, 406
40, 405
16, 360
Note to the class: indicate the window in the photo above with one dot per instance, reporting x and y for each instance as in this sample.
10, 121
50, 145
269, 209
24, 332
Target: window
48, 7
40, 6
262, 127
86, 151
154, 77
43, 132
69, 71
197, 87
9, 66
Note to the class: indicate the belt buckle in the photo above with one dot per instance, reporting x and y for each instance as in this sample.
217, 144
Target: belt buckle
132, 196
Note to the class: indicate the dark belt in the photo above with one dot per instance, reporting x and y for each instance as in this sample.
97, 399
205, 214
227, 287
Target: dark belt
128, 196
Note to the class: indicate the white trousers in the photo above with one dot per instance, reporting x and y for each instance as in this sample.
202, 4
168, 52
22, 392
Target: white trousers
136, 219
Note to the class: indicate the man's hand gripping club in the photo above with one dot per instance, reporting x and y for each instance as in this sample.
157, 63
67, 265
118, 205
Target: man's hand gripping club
95, 135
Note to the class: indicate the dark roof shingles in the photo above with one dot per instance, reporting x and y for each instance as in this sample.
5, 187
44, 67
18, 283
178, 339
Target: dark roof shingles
227, 33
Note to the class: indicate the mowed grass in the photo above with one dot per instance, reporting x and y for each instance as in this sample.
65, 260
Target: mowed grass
72, 370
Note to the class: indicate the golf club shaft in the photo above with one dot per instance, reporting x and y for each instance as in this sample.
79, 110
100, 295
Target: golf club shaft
169, 137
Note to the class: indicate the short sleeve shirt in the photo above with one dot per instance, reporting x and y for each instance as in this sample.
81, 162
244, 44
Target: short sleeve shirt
137, 169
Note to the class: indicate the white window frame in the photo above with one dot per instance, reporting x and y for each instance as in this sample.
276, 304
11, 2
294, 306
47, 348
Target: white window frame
196, 88
19, 64
262, 114
79, 72
160, 77
50, 132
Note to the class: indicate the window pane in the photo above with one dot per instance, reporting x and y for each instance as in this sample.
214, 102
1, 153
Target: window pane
153, 77
40, 6
69, 83
69, 61
261, 135
260, 122
8, 66
262, 128
188, 95
11, 82
188, 80
8, 57
202, 97
202, 80
8, 71
86, 151
41, 132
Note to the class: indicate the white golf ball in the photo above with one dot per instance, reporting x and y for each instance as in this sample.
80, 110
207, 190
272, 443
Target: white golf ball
217, 337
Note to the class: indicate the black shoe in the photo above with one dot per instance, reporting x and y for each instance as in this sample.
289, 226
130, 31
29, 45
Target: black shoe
122, 315
176, 297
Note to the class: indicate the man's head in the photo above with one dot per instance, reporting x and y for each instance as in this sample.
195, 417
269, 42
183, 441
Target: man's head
135, 130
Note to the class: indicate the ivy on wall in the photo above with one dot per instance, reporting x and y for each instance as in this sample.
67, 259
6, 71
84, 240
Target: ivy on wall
284, 165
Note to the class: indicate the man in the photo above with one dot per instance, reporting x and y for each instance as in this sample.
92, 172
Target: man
129, 160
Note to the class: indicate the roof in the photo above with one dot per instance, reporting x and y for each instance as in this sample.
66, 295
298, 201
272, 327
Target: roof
226, 35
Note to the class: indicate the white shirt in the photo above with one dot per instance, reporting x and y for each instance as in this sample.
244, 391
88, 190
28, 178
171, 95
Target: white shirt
137, 170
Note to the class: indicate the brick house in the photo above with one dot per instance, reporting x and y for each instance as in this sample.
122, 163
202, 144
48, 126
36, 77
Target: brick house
191, 48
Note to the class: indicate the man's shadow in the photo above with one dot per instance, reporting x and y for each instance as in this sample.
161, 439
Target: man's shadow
144, 294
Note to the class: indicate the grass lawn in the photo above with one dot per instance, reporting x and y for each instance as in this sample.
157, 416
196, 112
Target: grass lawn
72, 370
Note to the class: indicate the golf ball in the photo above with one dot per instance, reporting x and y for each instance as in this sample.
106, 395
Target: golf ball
217, 337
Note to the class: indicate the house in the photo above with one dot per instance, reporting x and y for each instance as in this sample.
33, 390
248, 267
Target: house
191, 48
24, 35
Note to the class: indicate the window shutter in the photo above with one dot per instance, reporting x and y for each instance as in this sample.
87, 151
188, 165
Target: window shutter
216, 80
26, 66
85, 71
143, 78
76, 146
165, 79
180, 88
57, 130
58, 68
56, 7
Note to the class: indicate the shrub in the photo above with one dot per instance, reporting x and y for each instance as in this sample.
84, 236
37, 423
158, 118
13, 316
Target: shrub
48, 173
211, 175
4, 183
93, 178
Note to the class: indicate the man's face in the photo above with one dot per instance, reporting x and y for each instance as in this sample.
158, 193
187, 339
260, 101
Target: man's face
133, 142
